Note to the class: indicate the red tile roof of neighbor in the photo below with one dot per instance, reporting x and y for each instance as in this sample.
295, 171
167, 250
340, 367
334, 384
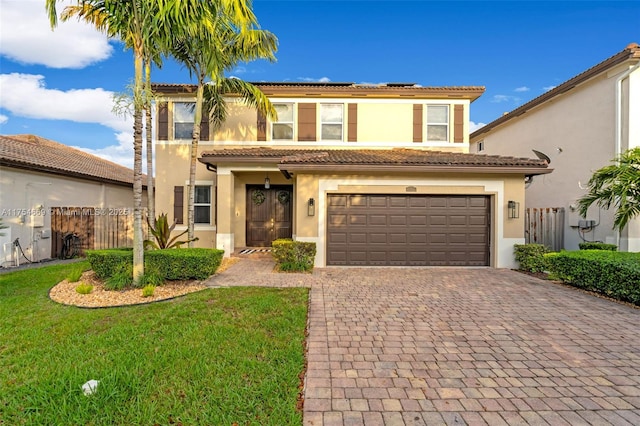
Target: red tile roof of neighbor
398, 159
44, 155
630, 53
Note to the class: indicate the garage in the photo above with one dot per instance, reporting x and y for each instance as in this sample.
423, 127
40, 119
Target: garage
408, 230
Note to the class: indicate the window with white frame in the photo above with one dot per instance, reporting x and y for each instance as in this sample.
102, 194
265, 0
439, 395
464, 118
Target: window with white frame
183, 120
437, 123
283, 128
202, 204
331, 119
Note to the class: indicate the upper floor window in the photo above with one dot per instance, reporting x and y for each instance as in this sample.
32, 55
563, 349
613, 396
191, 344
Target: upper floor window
331, 119
202, 204
437, 123
480, 146
183, 120
283, 128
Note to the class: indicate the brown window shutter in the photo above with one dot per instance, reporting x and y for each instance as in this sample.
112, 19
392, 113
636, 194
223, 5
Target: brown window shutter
307, 122
417, 122
178, 204
204, 126
163, 122
458, 123
262, 127
352, 127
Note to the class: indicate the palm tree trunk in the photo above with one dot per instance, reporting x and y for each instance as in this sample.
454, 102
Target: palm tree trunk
138, 244
151, 211
194, 156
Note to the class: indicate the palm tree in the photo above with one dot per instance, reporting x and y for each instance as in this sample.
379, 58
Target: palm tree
143, 25
616, 185
207, 58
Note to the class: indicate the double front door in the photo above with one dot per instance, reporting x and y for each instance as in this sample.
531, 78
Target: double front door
269, 213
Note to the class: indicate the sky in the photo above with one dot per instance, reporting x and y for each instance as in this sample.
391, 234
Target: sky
59, 84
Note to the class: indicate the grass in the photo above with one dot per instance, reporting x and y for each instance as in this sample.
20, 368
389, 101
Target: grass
217, 357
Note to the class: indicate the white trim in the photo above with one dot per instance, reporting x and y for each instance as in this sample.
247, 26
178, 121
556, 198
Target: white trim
322, 144
490, 187
506, 258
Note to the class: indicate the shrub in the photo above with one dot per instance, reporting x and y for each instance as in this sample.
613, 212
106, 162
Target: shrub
162, 235
148, 290
75, 275
597, 246
121, 279
613, 274
150, 277
184, 264
293, 256
84, 288
106, 263
531, 257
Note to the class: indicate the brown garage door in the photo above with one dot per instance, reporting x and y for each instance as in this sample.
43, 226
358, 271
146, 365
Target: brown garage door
410, 230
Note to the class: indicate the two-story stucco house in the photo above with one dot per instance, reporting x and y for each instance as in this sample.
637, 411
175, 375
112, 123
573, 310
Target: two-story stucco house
581, 125
373, 174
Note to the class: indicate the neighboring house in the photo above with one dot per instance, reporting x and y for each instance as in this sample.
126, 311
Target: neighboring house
373, 174
48, 190
580, 125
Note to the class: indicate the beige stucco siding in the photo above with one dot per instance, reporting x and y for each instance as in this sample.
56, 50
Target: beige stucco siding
29, 193
385, 122
577, 130
172, 169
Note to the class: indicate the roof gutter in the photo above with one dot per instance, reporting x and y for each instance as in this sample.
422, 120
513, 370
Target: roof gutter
527, 171
618, 140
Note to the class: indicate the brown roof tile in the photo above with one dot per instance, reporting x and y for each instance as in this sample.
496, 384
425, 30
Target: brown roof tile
389, 158
36, 153
347, 90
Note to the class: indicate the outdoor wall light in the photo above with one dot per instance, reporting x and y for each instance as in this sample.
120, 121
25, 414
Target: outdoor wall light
267, 183
311, 207
514, 209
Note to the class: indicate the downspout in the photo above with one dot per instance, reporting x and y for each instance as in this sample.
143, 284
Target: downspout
618, 147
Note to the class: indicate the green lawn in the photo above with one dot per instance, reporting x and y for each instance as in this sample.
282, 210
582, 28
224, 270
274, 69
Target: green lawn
217, 357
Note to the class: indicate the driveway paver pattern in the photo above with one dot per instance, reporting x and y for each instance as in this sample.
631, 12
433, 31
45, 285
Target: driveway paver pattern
476, 346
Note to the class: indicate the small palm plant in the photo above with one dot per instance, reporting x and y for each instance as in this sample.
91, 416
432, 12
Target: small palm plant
162, 235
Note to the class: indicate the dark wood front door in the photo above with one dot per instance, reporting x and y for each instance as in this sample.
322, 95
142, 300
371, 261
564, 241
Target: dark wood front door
269, 214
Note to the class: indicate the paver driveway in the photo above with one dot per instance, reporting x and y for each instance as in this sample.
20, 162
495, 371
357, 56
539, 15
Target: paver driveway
432, 346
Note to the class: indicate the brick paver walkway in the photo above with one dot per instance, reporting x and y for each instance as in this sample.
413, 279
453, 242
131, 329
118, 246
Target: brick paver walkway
429, 346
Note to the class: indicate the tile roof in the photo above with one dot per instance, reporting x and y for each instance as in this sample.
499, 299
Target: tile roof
348, 90
397, 157
631, 52
36, 153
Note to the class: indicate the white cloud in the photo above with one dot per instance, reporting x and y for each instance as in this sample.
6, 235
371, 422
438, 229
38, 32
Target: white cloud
504, 98
475, 126
315, 80
521, 89
547, 88
27, 37
26, 95
3, 118
120, 154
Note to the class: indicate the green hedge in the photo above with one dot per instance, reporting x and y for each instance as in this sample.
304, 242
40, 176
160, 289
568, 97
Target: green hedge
184, 263
597, 246
531, 257
613, 274
293, 255
107, 263
171, 264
